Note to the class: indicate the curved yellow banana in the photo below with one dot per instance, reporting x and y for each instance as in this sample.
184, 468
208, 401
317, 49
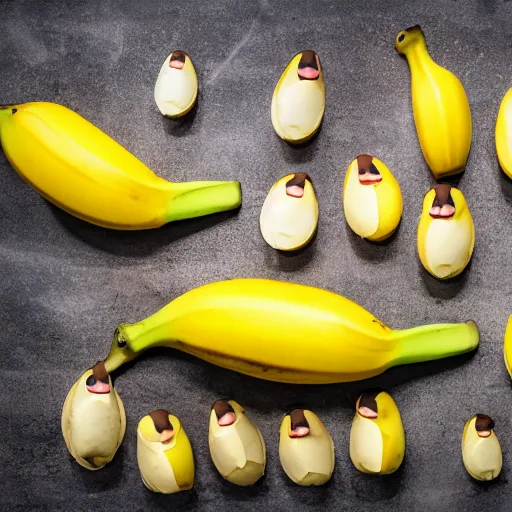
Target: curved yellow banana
440, 106
446, 238
286, 332
507, 346
298, 102
372, 199
377, 437
82, 170
503, 135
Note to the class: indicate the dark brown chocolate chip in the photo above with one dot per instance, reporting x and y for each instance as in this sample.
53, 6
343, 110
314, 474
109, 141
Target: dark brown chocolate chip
364, 162
99, 372
483, 423
161, 421
297, 419
415, 27
298, 180
443, 195
178, 55
368, 399
222, 407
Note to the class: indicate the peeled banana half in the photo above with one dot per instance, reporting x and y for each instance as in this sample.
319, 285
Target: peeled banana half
80, 169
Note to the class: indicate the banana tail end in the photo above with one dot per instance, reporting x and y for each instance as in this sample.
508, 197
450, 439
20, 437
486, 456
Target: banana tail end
195, 199
507, 346
437, 341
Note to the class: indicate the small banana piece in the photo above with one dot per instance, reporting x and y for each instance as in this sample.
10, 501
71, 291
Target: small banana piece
164, 453
289, 216
446, 233
306, 449
265, 329
372, 199
377, 437
176, 86
440, 106
93, 419
481, 450
82, 170
503, 135
298, 102
236, 444
507, 346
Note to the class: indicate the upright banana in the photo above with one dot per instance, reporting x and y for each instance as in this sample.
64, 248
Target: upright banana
79, 168
285, 332
503, 135
440, 106
507, 346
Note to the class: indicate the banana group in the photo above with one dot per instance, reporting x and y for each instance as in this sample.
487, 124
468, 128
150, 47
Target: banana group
236, 444
446, 233
298, 102
93, 419
176, 86
82, 170
372, 200
440, 106
164, 453
289, 215
481, 450
306, 449
377, 438
266, 329
503, 134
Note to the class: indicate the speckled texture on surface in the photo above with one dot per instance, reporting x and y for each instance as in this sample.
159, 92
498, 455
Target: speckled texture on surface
65, 285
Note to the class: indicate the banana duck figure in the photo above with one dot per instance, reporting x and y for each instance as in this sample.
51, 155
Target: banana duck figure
236, 444
298, 102
306, 449
440, 106
377, 438
446, 233
481, 450
372, 200
164, 453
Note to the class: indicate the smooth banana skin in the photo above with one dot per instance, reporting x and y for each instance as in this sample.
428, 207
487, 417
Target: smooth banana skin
164, 453
503, 134
446, 232
372, 199
82, 170
298, 102
481, 450
289, 215
93, 419
176, 85
286, 332
507, 346
306, 459
237, 449
440, 106
377, 437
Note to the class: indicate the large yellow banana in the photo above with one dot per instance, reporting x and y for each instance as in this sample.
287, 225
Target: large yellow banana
503, 135
79, 168
440, 106
286, 332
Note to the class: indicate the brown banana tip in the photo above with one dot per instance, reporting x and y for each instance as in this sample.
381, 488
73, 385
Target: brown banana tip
222, 407
299, 426
483, 423
367, 405
160, 419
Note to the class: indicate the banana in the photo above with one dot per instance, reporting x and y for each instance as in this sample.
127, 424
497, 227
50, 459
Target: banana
372, 199
507, 346
377, 438
176, 85
298, 102
164, 453
289, 215
440, 106
82, 170
446, 233
93, 419
285, 332
306, 449
236, 444
481, 450
503, 134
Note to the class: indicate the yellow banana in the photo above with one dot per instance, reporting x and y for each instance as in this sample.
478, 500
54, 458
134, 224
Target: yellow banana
286, 332
440, 106
372, 200
82, 170
507, 346
503, 134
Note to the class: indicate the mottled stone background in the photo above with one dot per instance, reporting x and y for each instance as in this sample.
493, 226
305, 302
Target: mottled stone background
65, 285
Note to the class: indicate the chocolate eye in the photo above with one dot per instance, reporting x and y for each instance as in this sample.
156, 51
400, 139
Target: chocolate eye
90, 381
401, 37
362, 171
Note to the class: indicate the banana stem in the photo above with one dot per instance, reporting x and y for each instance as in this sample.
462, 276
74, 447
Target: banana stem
437, 341
198, 198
